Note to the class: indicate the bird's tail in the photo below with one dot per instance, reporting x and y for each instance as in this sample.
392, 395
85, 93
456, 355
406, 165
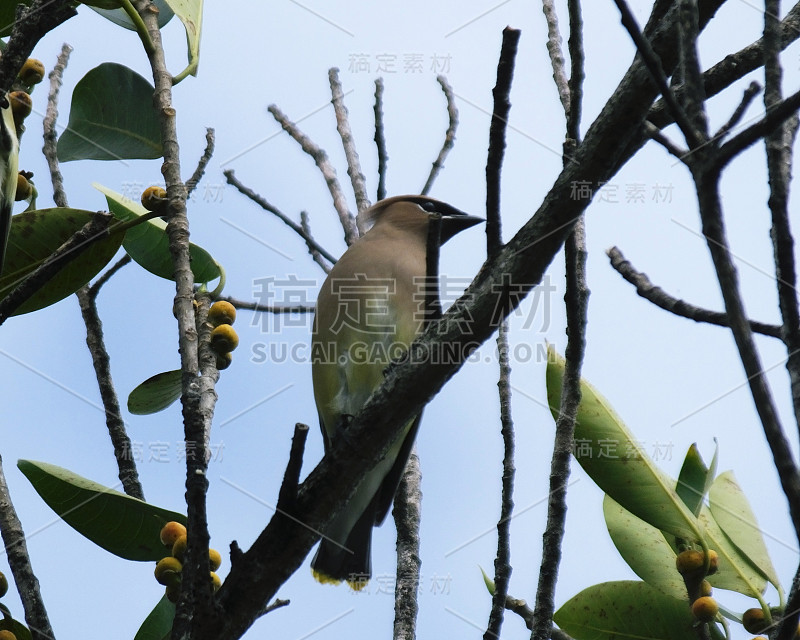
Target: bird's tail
335, 563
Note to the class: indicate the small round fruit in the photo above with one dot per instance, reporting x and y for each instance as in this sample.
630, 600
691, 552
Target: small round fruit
713, 564
3, 584
224, 339
155, 199
214, 559
705, 588
179, 548
222, 312
172, 592
753, 620
223, 360
168, 571
23, 188
21, 105
705, 609
216, 581
170, 532
32, 71
689, 562
5, 634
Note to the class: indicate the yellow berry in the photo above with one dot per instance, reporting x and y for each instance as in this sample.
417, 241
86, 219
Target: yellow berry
23, 188
705, 609
214, 559
689, 562
179, 548
170, 532
5, 634
224, 339
705, 588
155, 199
32, 71
21, 106
222, 312
216, 581
713, 565
168, 571
753, 620
3, 584
223, 360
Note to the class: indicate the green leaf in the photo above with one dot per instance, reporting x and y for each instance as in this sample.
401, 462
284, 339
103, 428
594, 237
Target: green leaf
8, 13
490, 586
156, 393
735, 572
148, 244
625, 609
645, 549
110, 10
694, 479
158, 624
7, 623
125, 526
190, 13
111, 117
733, 513
612, 457
34, 236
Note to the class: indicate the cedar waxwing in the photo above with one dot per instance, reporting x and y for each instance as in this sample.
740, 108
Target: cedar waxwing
370, 308
9, 159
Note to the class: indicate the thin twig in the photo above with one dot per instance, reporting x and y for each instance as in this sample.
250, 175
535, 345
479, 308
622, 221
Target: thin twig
380, 139
676, 306
291, 476
556, 54
316, 256
313, 245
357, 178
407, 514
694, 95
494, 242
18, 559
653, 63
749, 95
264, 308
49, 125
94, 289
577, 72
654, 133
449, 136
202, 163
346, 218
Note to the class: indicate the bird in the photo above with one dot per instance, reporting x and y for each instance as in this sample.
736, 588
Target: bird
369, 310
9, 160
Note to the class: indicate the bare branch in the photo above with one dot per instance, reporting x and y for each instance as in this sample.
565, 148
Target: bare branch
357, 178
577, 73
202, 163
316, 256
326, 168
18, 559
556, 55
264, 204
380, 139
662, 299
749, 95
407, 514
49, 125
449, 136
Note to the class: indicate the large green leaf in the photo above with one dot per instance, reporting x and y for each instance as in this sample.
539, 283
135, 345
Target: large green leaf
733, 513
625, 609
615, 460
111, 117
158, 624
695, 479
125, 526
190, 13
645, 549
735, 572
156, 393
34, 236
147, 243
110, 10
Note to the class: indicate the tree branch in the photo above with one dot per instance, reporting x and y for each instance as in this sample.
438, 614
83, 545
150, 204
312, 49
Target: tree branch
380, 139
449, 136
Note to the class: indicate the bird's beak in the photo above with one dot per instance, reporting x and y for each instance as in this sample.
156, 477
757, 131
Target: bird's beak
453, 224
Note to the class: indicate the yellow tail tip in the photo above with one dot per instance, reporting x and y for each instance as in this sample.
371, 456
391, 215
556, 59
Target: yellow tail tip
356, 583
